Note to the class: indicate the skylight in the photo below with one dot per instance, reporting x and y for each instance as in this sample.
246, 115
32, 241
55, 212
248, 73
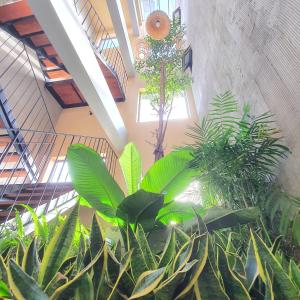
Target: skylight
168, 6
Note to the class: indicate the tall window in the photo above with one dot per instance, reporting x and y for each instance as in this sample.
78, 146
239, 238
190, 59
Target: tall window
146, 112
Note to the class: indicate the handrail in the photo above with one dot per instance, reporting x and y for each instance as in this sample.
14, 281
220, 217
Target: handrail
101, 40
33, 169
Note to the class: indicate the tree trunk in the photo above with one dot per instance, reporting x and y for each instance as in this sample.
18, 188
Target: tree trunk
160, 132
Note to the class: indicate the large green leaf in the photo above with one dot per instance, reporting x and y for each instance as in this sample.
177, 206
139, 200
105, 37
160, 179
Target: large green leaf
58, 248
170, 175
85, 289
284, 288
294, 271
22, 285
92, 181
130, 162
218, 217
140, 208
4, 291
179, 212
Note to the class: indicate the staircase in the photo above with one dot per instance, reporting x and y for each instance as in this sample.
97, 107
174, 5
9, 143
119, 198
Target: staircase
17, 19
34, 170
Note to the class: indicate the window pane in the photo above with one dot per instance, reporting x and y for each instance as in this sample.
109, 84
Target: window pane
148, 114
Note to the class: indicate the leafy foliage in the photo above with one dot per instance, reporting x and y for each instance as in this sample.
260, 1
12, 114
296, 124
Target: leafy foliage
235, 157
199, 265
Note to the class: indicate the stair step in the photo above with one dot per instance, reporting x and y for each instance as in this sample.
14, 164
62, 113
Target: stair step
13, 173
11, 157
4, 139
14, 11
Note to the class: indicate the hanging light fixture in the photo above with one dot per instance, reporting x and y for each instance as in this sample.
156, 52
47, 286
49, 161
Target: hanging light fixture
158, 25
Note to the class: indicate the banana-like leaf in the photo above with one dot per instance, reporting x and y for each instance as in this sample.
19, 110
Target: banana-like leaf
58, 248
170, 175
30, 263
147, 282
169, 250
22, 285
147, 252
217, 217
233, 286
130, 162
96, 236
140, 208
284, 288
294, 272
179, 212
201, 255
251, 267
85, 289
68, 289
4, 291
92, 181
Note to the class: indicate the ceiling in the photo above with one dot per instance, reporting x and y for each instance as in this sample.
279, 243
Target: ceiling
103, 12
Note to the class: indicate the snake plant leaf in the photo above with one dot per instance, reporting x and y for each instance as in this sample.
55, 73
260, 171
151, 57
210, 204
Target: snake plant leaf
169, 250
217, 217
251, 267
183, 256
201, 256
3, 271
96, 236
31, 263
140, 208
92, 181
137, 263
269, 293
130, 162
40, 228
67, 291
20, 252
179, 212
147, 252
169, 176
58, 248
122, 270
85, 289
22, 285
284, 288
209, 284
4, 291
147, 282
166, 290
181, 237
294, 272
233, 286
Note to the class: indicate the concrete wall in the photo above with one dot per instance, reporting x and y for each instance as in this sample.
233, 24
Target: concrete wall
251, 47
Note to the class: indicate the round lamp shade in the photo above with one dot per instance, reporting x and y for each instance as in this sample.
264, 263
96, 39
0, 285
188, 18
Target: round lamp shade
158, 25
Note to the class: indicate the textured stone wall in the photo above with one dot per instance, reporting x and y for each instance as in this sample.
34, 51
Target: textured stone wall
251, 47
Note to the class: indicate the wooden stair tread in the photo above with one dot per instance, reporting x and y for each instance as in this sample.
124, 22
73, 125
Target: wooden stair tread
14, 11
13, 173
11, 157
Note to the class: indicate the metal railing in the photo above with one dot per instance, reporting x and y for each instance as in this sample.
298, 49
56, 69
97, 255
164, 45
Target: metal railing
101, 40
34, 170
22, 95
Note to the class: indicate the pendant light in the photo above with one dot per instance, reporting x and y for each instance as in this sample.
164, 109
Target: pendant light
158, 25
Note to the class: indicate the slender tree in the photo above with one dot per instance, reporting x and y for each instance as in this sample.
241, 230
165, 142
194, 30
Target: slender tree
161, 69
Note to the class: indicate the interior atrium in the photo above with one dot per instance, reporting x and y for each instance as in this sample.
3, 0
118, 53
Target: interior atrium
150, 149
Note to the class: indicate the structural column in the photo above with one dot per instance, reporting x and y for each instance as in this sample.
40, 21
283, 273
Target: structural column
118, 20
60, 22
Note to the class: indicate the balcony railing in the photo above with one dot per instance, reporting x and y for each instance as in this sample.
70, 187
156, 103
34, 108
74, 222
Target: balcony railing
101, 40
34, 170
